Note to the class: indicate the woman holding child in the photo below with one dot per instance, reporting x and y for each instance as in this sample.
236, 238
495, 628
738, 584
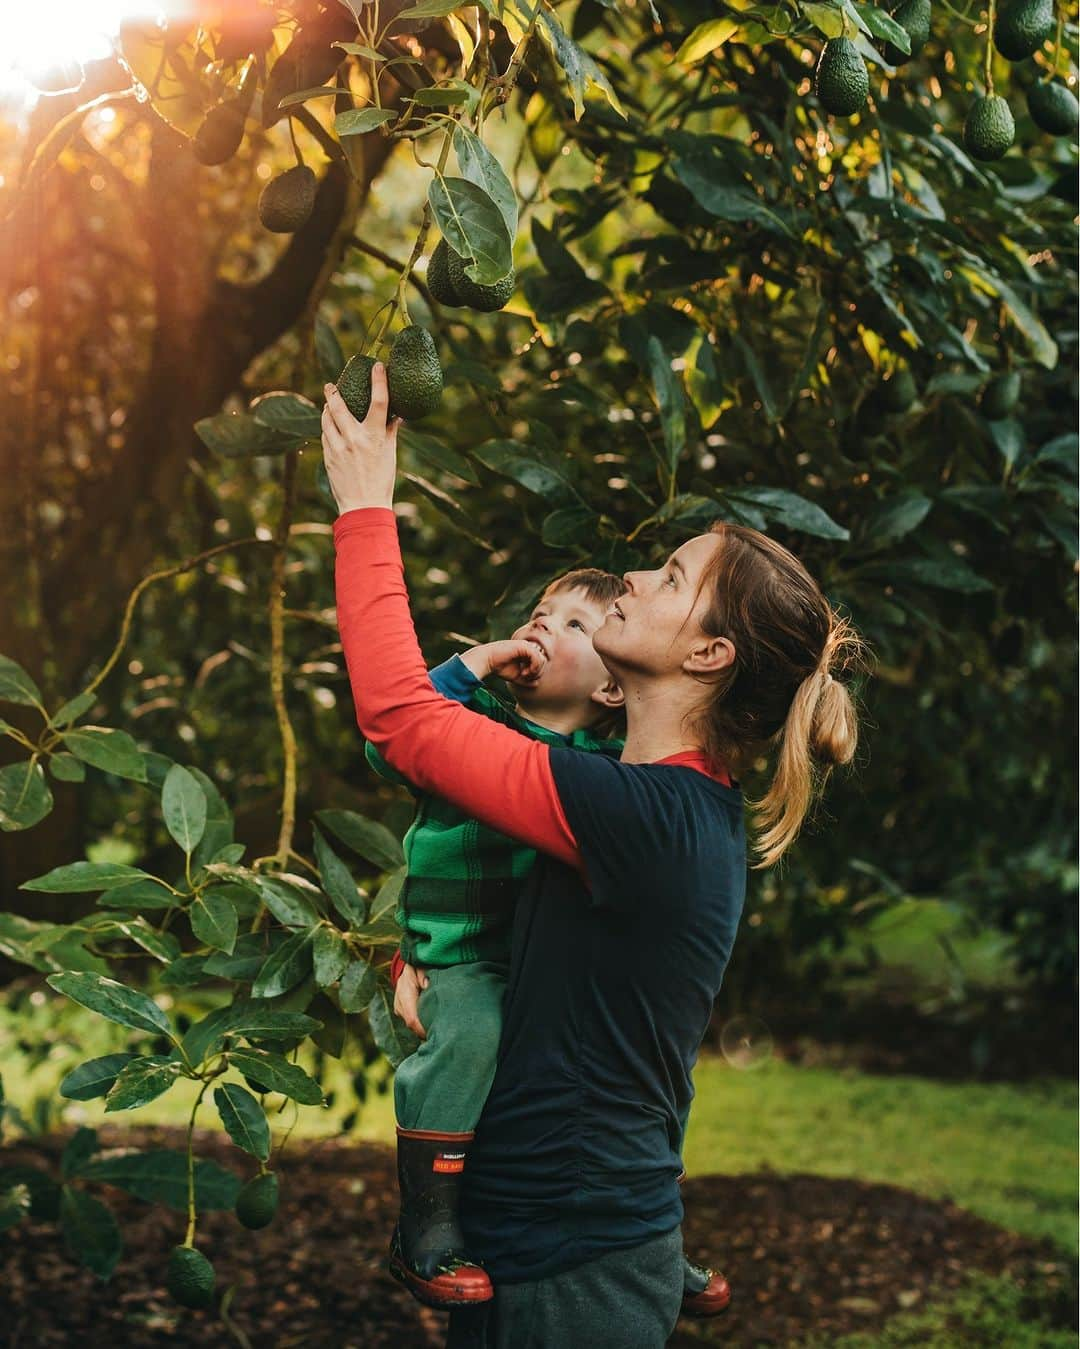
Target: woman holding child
623, 928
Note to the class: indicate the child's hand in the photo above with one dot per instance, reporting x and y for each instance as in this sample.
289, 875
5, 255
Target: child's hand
515, 659
407, 998
360, 457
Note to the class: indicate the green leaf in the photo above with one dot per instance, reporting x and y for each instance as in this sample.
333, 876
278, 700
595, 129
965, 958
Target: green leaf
478, 165
330, 955
274, 1072
438, 455
827, 19
285, 968
513, 459
25, 798
162, 945
160, 1176
108, 749
339, 885
91, 1232
390, 1033
371, 840
359, 49
113, 1000
94, 1077
580, 68
706, 38
15, 1200
358, 985
427, 9
72, 710
940, 573
78, 1150
757, 374
16, 686
247, 1018
474, 226
449, 95
671, 400
248, 955
791, 510
66, 768
356, 121
884, 27
570, 525
386, 901
328, 350
219, 830
184, 972
213, 919
290, 413
143, 894
701, 166
184, 807
1042, 346
287, 903
318, 91
76, 877
235, 435
1008, 436
244, 1119
143, 1080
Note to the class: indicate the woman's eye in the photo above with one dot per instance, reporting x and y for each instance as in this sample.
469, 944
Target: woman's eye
670, 578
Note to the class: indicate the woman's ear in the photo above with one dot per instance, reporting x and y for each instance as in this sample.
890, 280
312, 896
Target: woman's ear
608, 694
709, 656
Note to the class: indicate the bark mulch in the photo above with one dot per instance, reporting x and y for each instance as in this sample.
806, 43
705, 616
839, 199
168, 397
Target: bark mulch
803, 1253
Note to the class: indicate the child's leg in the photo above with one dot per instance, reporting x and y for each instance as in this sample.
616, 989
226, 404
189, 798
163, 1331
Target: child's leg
439, 1092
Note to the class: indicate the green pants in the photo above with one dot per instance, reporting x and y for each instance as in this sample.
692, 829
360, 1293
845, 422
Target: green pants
444, 1085
623, 1300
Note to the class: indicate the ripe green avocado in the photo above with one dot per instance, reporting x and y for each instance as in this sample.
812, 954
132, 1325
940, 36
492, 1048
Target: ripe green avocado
1001, 395
485, 298
841, 82
913, 16
257, 1201
1054, 108
354, 385
190, 1277
1022, 27
989, 129
413, 374
438, 276
288, 200
219, 137
899, 390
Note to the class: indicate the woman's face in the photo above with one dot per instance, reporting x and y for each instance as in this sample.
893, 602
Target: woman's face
656, 625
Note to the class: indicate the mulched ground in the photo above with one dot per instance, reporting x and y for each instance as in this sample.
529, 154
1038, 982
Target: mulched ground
804, 1254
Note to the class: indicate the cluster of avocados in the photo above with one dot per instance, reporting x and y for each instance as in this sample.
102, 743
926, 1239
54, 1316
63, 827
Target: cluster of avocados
414, 377
898, 392
450, 285
842, 83
189, 1275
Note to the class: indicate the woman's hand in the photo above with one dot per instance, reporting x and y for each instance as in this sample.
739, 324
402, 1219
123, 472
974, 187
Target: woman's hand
515, 659
407, 998
360, 457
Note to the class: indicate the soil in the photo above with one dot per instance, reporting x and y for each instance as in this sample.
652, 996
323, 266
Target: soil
804, 1254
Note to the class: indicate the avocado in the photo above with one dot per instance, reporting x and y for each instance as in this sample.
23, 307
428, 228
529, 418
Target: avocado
841, 82
438, 276
989, 129
1022, 27
899, 390
485, 298
413, 374
257, 1201
288, 200
190, 1277
913, 16
219, 137
1054, 108
1000, 396
354, 385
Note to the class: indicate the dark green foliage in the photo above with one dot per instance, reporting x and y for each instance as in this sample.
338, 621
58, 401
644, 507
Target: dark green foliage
1000, 395
1054, 108
914, 17
841, 81
899, 390
287, 201
1022, 27
989, 129
413, 374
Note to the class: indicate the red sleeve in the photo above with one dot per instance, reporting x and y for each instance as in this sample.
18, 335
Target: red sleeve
487, 770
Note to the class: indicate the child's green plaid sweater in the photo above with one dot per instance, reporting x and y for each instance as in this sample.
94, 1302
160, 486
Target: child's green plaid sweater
457, 903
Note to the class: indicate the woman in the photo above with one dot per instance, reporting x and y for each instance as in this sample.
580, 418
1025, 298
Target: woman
620, 942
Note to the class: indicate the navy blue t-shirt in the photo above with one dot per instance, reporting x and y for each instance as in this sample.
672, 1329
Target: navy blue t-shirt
610, 991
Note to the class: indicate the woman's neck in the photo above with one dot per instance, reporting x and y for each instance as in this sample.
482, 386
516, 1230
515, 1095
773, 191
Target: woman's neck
658, 724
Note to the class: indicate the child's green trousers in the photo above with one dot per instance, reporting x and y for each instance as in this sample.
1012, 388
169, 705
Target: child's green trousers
444, 1085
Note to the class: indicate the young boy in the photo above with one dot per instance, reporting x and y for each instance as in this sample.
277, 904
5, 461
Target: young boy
456, 910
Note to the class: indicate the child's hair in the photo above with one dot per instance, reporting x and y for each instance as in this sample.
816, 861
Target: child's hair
780, 690
603, 588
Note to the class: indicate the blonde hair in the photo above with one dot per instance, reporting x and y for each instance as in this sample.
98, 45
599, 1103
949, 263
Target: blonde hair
781, 692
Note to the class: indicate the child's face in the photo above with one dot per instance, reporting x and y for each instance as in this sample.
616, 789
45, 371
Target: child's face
562, 625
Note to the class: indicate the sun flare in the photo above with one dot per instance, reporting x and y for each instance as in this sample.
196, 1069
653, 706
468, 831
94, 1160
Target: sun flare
46, 43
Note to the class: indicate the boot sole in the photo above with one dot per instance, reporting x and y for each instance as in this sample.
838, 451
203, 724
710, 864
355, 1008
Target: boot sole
421, 1289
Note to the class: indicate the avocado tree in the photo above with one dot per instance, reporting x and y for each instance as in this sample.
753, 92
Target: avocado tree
777, 265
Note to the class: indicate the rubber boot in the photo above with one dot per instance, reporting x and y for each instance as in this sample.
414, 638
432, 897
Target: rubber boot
705, 1292
427, 1251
